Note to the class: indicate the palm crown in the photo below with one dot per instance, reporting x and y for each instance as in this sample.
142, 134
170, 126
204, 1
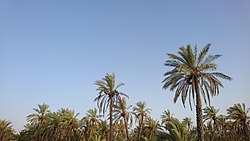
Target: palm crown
189, 68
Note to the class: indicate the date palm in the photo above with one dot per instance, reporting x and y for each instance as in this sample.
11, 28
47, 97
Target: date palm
193, 75
166, 116
39, 119
40, 116
152, 128
141, 114
211, 115
91, 120
121, 111
239, 114
6, 131
103, 130
108, 96
187, 121
175, 130
70, 123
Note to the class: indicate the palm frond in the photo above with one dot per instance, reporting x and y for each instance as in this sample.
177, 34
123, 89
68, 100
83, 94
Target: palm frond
172, 63
203, 53
175, 57
221, 75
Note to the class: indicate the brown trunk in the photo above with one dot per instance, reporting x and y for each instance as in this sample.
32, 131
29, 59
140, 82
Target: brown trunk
111, 119
199, 119
126, 126
140, 127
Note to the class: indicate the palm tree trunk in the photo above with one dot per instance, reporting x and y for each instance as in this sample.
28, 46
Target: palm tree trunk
126, 126
111, 118
140, 126
199, 119
245, 131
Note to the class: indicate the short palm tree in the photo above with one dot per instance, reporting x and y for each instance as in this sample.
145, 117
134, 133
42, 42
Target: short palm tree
7, 132
152, 128
141, 114
91, 120
188, 122
166, 116
193, 75
38, 120
121, 111
40, 116
211, 115
239, 114
108, 95
175, 130
70, 123
54, 131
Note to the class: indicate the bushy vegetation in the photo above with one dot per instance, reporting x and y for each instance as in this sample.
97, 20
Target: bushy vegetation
65, 125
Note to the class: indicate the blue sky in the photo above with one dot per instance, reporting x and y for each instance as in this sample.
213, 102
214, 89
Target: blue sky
53, 51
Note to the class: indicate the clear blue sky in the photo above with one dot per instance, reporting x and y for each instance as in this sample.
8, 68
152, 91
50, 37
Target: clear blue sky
53, 51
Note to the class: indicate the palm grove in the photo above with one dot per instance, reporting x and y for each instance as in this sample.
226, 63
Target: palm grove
193, 76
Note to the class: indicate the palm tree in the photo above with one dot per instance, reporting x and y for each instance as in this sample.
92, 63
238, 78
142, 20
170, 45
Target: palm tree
40, 116
175, 130
166, 116
54, 131
238, 113
39, 119
141, 114
103, 130
188, 122
211, 115
192, 76
121, 111
70, 123
108, 95
152, 127
7, 132
91, 120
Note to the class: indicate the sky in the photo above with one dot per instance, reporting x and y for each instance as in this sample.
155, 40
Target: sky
53, 51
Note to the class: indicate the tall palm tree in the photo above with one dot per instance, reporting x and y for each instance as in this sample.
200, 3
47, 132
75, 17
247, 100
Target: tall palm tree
192, 76
7, 132
239, 114
108, 95
121, 111
141, 114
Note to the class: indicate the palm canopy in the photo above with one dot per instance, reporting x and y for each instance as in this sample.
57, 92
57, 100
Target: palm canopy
211, 114
40, 116
190, 68
108, 89
121, 111
141, 112
239, 114
7, 132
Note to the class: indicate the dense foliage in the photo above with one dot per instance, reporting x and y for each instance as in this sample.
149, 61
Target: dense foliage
65, 125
